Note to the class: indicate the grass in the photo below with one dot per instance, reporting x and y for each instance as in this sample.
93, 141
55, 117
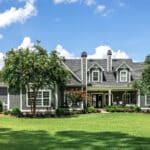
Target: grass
113, 131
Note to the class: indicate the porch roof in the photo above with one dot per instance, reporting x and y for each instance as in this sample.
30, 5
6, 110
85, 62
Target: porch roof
112, 88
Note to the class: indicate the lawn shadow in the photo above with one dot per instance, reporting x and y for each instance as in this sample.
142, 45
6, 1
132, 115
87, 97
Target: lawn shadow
70, 140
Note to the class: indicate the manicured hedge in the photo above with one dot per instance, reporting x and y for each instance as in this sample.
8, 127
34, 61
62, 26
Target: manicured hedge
123, 109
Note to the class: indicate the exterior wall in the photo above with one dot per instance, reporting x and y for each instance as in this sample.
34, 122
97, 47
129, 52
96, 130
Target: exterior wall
14, 99
143, 102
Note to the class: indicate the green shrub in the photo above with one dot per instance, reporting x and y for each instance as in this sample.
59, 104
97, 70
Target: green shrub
137, 109
91, 109
7, 112
63, 111
16, 112
123, 109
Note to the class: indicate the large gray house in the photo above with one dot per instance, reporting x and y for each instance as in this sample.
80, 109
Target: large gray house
108, 81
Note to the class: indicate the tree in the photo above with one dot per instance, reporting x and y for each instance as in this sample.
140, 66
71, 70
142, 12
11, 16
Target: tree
143, 84
146, 75
34, 69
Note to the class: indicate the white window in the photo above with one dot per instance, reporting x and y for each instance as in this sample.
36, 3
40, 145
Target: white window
42, 100
95, 76
148, 100
123, 76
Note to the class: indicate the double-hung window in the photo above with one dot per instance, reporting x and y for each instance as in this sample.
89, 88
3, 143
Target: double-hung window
95, 76
123, 76
42, 100
148, 100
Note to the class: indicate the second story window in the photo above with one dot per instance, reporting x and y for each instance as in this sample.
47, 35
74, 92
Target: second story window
123, 76
95, 76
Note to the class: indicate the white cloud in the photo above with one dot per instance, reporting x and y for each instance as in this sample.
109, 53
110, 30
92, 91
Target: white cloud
1, 36
121, 4
87, 2
63, 52
14, 15
64, 1
1, 60
90, 2
26, 43
100, 8
101, 52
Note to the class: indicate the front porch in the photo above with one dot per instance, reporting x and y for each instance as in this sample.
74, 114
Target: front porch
107, 97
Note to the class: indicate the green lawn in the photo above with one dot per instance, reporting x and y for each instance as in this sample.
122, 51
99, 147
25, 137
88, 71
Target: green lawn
129, 131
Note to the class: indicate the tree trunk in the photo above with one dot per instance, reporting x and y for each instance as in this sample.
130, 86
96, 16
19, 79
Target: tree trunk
35, 91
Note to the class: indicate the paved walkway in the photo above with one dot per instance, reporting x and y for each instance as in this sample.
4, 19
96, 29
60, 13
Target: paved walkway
103, 111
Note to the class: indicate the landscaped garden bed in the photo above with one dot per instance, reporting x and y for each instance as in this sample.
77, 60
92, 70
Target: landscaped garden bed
123, 108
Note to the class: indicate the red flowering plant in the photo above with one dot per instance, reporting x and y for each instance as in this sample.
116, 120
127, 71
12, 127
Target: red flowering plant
76, 96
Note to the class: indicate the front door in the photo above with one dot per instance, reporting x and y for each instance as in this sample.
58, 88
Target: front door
97, 101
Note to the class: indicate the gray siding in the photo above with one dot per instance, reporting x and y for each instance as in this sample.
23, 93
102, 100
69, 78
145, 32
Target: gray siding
14, 99
142, 101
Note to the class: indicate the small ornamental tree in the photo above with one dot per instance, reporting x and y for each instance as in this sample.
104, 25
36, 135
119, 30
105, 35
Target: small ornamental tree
33, 69
75, 96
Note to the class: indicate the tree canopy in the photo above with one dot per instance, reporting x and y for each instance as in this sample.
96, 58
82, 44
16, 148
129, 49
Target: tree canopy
146, 74
35, 69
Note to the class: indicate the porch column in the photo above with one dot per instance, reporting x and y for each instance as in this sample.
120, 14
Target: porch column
109, 97
138, 98
56, 97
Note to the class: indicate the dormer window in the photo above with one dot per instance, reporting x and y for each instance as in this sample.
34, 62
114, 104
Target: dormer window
95, 76
123, 76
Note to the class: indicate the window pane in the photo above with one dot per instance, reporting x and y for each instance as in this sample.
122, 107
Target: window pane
39, 95
123, 76
95, 76
46, 101
38, 101
45, 94
148, 99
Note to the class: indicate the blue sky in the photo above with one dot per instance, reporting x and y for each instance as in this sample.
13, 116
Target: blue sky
71, 26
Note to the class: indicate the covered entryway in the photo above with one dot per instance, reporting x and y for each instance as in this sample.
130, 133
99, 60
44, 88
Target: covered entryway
97, 100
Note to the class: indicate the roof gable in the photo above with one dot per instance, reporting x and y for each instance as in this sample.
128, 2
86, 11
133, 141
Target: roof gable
94, 65
123, 65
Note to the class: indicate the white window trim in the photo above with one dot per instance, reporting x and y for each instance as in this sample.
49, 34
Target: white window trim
43, 106
126, 76
92, 75
146, 104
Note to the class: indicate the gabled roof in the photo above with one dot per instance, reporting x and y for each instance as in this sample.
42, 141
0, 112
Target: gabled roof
99, 66
74, 66
123, 63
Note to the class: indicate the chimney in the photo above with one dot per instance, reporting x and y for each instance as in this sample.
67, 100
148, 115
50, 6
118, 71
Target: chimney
84, 68
109, 61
